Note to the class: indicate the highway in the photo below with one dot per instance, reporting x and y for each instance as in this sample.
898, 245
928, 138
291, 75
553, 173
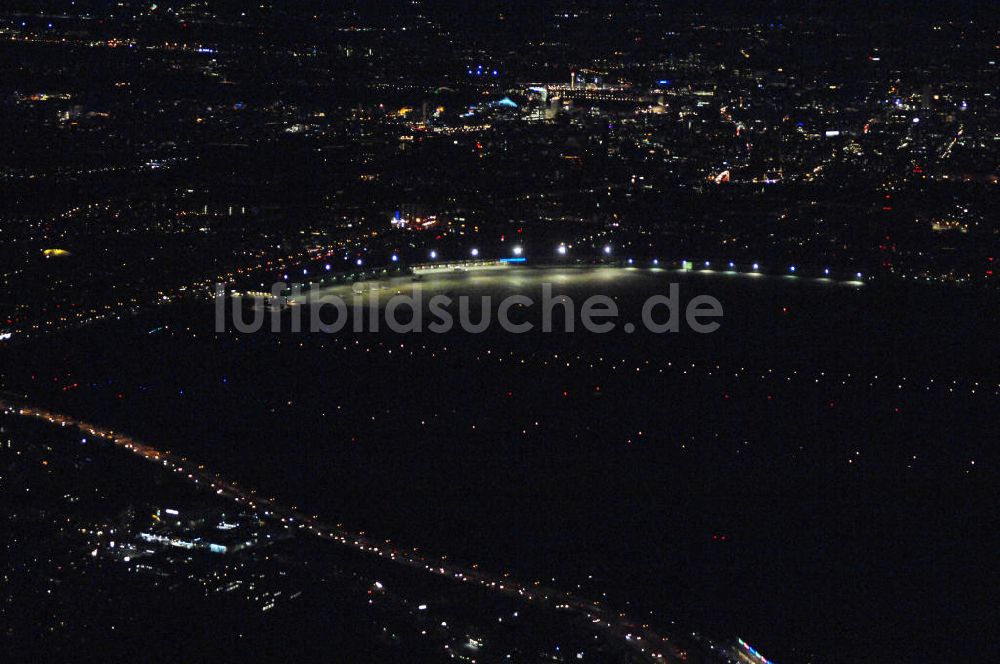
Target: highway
641, 639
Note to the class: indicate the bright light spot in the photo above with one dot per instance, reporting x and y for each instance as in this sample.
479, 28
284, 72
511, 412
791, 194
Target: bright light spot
561, 249
475, 252
607, 248
792, 268
756, 266
395, 258
434, 255
518, 250
327, 266
359, 261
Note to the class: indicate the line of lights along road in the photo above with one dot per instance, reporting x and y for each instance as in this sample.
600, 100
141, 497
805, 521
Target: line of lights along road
607, 251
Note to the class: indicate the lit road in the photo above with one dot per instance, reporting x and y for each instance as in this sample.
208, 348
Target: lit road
639, 638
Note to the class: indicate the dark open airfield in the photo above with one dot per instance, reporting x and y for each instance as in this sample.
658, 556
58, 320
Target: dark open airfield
816, 477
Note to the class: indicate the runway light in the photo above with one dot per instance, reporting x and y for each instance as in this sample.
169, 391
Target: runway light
475, 252
518, 250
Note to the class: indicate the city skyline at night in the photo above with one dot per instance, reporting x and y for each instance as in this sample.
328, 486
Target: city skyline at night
572, 330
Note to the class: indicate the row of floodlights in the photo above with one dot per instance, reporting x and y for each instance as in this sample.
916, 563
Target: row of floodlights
562, 249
